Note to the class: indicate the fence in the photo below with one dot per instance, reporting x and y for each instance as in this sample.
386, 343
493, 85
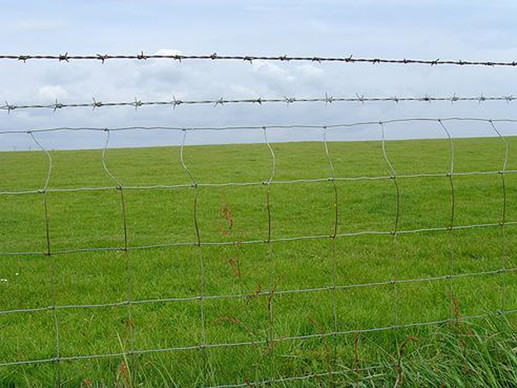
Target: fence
269, 338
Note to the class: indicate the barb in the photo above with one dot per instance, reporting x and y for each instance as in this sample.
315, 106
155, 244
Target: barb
175, 102
251, 58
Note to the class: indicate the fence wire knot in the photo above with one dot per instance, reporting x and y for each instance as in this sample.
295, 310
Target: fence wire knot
96, 104
102, 58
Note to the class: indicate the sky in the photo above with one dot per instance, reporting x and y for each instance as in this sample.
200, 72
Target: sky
475, 30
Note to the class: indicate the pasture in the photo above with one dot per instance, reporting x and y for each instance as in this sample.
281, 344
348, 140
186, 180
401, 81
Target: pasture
224, 289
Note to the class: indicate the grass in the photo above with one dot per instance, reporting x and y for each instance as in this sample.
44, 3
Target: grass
461, 353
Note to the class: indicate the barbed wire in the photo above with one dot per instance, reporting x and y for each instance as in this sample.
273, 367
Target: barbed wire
66, 57
327, 99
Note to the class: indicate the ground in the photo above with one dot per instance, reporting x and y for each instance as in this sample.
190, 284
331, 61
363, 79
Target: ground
233, 244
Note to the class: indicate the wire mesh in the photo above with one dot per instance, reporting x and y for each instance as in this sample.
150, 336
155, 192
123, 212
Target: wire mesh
271, 339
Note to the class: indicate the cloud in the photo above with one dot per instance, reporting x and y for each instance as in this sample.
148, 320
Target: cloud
168, 52
35, 26
440, 29
52, 92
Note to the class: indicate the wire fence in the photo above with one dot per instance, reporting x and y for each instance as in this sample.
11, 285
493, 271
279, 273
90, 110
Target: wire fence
250, 58
175, 102
271, 294
269, 241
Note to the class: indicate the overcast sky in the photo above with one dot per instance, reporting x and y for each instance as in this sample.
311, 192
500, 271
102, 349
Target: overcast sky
483, 30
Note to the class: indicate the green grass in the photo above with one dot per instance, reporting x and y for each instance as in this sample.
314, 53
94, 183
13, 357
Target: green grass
461, 353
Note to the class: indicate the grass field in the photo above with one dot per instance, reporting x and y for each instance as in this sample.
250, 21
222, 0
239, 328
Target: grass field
480, 352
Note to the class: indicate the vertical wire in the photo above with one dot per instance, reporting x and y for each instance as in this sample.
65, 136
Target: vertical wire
395, 226
52, 264
130, 323
450, 175
268, 182
269, 244
194, 184
503, 217
333, 180
103, 159
334, 250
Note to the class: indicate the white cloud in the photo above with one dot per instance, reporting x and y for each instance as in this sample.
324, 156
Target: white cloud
273, 71
34, 26
168, 52
425, 29
52, 92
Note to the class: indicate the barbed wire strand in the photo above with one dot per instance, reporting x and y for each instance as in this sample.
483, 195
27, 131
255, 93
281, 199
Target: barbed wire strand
65, 58
219, 102
503, 212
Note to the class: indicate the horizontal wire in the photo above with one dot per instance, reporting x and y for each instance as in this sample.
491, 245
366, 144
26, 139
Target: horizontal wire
261, 293
304, 377
250, 58
257, 183
256, 127
175, 102
252, 343
265, 241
